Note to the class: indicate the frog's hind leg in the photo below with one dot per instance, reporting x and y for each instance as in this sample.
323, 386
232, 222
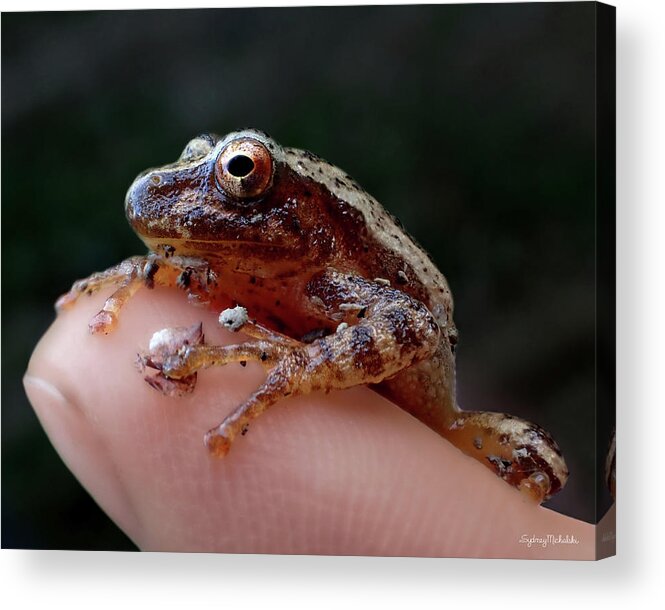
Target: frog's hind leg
521, 453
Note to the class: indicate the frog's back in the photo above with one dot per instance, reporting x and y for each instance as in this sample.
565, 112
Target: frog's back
378, 246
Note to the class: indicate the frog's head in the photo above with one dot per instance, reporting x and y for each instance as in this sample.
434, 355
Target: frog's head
242, 196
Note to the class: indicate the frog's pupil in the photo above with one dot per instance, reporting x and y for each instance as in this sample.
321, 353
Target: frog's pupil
240, 166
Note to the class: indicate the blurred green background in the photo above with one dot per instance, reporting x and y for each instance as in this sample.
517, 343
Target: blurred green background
472, 123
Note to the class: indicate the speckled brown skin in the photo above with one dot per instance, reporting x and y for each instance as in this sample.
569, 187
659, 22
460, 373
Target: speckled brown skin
338, 292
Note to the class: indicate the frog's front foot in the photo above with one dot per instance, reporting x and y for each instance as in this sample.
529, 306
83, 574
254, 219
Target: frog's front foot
190, 274
164, 344
178, 361
128, 276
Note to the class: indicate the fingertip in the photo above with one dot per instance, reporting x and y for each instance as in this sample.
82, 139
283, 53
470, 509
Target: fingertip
344, 473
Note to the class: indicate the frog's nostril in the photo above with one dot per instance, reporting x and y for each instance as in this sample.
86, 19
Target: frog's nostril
240, 166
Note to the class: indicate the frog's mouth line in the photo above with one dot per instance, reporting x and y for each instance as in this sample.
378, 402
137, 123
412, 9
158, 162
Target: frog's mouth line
208, 246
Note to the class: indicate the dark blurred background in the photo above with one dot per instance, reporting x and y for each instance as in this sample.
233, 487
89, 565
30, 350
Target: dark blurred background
472, 123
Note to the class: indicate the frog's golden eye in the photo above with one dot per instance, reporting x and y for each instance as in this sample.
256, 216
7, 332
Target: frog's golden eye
244, 168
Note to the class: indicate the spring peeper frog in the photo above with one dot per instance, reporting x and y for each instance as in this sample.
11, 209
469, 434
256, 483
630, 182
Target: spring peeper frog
330, 287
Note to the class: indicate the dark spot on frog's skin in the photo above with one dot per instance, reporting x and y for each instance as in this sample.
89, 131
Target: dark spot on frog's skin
361, 313
537, 430
401, 327
150, 271
278, 303
328, 354
252, 280
365, 354
277, 323
295, 223
243, 363
402, 278
503, 439
244, 430
542, 433
311, 156
264, 356
307, 193
313, 335
184, 279
501, 466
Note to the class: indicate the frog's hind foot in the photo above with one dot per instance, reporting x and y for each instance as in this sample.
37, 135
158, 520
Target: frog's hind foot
521, 453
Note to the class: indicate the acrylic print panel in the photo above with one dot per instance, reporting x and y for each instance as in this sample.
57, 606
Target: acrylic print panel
476, 125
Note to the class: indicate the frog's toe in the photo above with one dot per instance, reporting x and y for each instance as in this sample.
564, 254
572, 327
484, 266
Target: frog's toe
218, 444
176, 366
536, 487
104, 322
66, 301
172, 387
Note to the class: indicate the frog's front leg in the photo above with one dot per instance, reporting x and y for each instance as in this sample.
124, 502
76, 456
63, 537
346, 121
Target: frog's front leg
380, 332
130, 275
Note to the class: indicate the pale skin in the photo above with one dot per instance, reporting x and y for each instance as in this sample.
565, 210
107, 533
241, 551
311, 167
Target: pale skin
343, 473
